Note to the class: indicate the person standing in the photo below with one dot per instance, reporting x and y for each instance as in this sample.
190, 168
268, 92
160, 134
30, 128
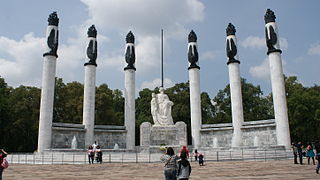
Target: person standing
184, 150
170, 167
90, 153
295, 153
184, 167
196, 155
3, 154
99, 154
299, 149
310, 154
94, 145
201, 159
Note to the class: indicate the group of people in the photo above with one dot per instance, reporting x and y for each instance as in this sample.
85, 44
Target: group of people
94, 152
178, 166
312, 151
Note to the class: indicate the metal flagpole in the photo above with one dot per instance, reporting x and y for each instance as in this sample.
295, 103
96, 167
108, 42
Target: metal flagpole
161, 57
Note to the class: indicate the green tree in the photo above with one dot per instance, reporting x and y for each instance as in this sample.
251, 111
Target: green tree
118, 105
255, 106
24, 121
303, 110
4, 112
109, 106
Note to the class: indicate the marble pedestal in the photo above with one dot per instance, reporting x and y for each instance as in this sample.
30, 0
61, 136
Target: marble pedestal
154, 136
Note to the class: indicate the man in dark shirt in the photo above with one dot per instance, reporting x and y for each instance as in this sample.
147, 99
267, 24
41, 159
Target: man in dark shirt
299, 149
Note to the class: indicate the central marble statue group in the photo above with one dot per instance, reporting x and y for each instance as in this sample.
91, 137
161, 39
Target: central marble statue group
161, 109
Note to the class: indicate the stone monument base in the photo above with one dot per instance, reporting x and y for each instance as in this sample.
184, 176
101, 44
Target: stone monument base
155, 136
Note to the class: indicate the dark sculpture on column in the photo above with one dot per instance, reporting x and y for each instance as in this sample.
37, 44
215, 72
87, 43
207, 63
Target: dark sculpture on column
231, 45
271, 33
92, 47
52, 40
193, 56
130, 53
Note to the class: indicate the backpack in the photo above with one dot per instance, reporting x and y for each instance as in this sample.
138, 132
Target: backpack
4, 164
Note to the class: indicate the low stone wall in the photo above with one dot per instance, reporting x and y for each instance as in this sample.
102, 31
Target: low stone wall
106, 136
63, 133
254, 134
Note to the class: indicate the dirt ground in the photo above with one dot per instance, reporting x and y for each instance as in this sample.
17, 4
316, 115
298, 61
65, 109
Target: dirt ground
281, 169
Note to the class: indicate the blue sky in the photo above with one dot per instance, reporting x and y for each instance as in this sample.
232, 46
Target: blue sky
24, 23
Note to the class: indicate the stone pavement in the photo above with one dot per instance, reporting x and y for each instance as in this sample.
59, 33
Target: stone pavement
273, 169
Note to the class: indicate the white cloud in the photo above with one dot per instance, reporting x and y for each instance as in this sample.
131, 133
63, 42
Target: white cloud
260, 42
145, 19
253, 42
284, 44
314, 49
157, 83
261, 71
144, 16
21, 60
208, 55
24, 57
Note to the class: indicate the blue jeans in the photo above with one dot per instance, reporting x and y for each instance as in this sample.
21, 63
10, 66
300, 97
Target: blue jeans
170, 174
1, 170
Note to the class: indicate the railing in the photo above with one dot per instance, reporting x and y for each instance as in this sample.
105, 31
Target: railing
137, 157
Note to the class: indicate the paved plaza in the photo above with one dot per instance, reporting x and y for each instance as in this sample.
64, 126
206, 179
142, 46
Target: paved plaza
273, 169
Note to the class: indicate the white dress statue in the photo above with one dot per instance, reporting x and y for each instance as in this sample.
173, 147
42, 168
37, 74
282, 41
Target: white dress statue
161, 109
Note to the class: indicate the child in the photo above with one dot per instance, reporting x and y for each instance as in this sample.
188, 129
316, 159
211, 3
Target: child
196, 155
184, 167
201, 159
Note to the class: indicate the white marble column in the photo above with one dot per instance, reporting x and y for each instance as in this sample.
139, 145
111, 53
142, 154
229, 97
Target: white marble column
277, 81
129, 92
89, 102
236, 103
235, 86
90, 87
194, 84
48, 83
129, 111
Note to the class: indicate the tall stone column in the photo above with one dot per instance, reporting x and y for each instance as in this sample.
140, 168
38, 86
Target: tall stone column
48, 83
90, 87
235, 85
129, 92
277, 80
194, 84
